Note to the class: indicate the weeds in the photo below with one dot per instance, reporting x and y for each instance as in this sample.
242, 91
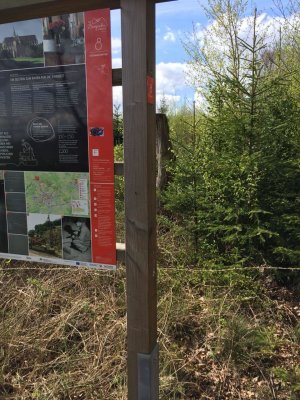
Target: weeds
63, 335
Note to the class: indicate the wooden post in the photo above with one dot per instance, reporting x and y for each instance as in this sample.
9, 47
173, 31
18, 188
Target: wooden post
138, 54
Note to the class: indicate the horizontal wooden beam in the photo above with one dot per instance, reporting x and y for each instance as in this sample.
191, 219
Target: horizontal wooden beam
17, 10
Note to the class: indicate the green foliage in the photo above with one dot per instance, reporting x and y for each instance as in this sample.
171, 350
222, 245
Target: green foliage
119, 180
163, 106
296, 333
242, 343
119, 196
289, 377
182, 196
118, 125
236, 170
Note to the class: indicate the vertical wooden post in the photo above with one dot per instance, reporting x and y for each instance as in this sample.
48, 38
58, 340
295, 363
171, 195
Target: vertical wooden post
138, 53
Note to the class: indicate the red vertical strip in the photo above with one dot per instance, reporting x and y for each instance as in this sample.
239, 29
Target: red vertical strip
150, 90
100, 131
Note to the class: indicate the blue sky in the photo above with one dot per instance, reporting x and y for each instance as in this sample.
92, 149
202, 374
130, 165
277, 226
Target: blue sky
178, 17
174, 21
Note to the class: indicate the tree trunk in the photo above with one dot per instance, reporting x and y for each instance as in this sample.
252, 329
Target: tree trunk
163, 152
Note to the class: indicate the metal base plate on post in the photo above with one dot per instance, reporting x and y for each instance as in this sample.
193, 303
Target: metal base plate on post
148, 381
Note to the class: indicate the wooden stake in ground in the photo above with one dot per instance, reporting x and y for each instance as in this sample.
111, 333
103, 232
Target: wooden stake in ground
164, 153
138, 50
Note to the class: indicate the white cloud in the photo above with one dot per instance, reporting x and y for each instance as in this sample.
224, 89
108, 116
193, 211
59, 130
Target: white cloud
116, 45
169, 36
178, 8
117, 95
171, 100
170, 81
200, 100
170, 78
117, 62
215, 41
268, 27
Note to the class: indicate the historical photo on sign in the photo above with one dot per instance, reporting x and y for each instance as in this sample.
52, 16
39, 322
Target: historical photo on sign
63, 38
44, 232
76, 239
21, 45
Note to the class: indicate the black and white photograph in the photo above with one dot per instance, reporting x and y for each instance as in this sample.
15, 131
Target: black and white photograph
76, 233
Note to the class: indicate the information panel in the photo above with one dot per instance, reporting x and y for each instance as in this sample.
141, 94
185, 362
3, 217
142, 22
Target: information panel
56, 141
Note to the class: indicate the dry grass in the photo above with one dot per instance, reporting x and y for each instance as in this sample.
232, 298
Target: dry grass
62, 337
227, 347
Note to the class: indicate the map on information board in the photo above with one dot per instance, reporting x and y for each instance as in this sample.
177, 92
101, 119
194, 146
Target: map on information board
56, 141
50, 192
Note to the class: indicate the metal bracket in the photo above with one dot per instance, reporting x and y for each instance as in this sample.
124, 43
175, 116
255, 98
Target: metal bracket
148, 375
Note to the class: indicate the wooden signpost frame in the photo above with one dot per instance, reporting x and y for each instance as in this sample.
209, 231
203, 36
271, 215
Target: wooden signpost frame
138, 66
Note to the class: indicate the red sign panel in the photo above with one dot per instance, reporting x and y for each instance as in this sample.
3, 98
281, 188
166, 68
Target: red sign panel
99, 100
